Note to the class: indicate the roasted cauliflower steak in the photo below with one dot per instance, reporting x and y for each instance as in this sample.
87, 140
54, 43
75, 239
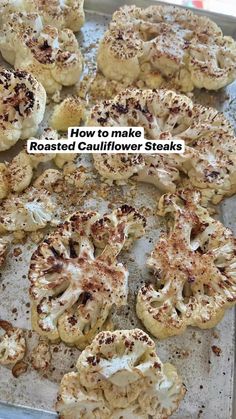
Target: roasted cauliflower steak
194, 268
120, 376
51, 55
73, 291
67, 14
12, 344
208, 163
22, 106
163, 46
29, 211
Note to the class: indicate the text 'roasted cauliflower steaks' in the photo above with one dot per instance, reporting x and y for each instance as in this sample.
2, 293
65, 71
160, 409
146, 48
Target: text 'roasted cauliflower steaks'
194, 266
72, 290
163, 46
119, 376
209, 161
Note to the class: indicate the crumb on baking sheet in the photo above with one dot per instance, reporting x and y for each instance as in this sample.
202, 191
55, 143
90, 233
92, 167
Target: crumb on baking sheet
217, 351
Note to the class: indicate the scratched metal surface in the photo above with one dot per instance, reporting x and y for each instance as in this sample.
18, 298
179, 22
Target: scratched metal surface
209, 379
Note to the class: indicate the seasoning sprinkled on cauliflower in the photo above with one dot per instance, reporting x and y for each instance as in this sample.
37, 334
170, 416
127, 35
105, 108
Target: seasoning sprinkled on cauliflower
194, 267
118, 166
72, 291
57, 181
120, 376
124, 223
29, 211
75, 176
12, 344
51, 180
70, 112
209, 161
22, 103
61, 14
51, 55
166, 46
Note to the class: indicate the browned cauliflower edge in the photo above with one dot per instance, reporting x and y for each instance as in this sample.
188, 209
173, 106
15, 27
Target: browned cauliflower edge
72, 291
166, 46
194, 268
120, 376
12, 344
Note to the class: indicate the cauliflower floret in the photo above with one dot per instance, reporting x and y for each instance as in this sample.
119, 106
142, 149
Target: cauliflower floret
158, 172
62, 158
17, 175
20, 170
120, 376
72, 291
74, 175
123, 223
61, 14
22, 105
51, 55
118, 166
12, 344
209, 161
54, 180
51, 180
29, 211
68, 113
194, 265
138, 48
7, 7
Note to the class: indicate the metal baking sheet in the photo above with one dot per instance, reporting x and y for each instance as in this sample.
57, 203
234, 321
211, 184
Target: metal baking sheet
209, 379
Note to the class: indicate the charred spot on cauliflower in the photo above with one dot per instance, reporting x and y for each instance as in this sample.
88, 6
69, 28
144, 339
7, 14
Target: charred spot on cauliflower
194, 269
22, 104
120, 376
72, 291
51, 55
208, 162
